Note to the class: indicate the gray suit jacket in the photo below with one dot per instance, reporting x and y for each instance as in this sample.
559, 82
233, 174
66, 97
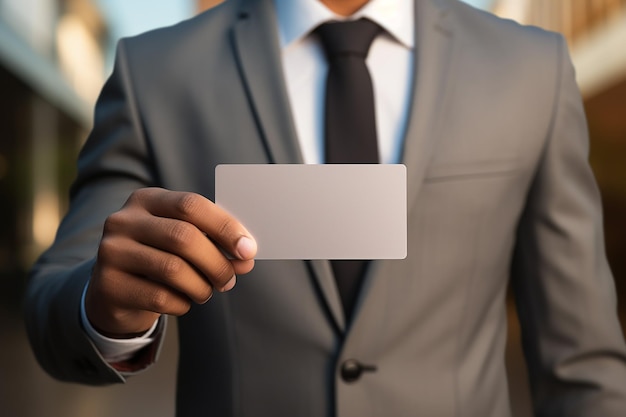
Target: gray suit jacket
499, 191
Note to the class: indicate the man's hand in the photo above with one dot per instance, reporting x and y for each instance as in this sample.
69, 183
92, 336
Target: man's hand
159, 254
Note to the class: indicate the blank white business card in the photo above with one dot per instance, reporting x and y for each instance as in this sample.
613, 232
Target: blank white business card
332, 211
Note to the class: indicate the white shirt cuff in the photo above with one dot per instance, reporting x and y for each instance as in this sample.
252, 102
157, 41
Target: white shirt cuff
117, 350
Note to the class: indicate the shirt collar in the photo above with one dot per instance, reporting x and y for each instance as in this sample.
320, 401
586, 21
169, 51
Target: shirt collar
297, 18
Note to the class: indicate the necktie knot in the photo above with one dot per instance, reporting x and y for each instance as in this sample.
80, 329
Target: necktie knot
353, 37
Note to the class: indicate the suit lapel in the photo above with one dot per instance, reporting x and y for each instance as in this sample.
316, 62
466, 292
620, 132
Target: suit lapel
259, 58
323, 273
433, 76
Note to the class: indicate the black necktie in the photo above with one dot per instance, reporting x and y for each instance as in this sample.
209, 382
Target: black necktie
350, 124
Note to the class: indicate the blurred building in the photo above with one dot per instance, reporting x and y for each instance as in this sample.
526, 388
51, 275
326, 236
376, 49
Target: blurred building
203, 5
51, 69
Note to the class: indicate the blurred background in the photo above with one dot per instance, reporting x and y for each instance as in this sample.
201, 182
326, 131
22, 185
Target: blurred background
54, 58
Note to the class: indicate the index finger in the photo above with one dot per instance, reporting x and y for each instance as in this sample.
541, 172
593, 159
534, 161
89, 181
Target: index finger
220, 226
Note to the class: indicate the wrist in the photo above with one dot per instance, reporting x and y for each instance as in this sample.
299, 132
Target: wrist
118, 347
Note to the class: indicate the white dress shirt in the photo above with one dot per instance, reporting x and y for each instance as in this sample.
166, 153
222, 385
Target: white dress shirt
390, 61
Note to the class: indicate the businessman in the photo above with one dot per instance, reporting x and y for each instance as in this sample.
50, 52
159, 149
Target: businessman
487, 118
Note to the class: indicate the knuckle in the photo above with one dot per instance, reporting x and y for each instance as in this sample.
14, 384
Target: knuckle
135, 198
226, 227
108, 249
159, 301
188, 205
171, 267
138, 196
180, 234
114, 222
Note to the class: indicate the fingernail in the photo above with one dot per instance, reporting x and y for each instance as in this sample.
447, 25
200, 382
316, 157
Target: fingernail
230, 284
246, 248
207, 300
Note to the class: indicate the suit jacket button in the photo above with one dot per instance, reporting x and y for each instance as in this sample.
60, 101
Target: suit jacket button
351, 370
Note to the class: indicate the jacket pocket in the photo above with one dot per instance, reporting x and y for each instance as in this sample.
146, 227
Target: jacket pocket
453, 171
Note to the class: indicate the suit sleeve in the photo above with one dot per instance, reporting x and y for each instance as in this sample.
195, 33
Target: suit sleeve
114, 161
564, 288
